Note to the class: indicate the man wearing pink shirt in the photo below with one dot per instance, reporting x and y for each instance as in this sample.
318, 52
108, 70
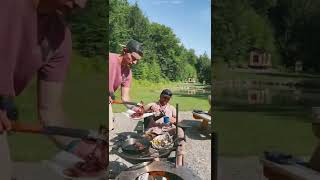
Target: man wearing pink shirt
120, 74
35, 40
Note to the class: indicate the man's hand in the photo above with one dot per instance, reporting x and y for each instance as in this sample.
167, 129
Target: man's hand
5, 123
159, 114
110, 100
172, 120
138, 109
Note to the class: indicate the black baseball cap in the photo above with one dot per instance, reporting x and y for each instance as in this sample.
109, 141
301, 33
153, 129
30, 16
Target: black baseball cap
166, 92
134, 46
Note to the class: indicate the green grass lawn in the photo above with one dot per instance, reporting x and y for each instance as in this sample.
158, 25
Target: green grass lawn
150, 92
250, 133
84, 103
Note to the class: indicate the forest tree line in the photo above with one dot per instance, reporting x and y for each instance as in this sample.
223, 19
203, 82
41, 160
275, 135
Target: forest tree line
165, 58
288, 29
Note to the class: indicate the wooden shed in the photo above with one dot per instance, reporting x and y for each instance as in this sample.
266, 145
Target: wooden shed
259, 58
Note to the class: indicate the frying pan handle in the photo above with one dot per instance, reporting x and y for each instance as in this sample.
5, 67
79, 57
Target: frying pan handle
51, 130
17, 127
124, 102
75, 133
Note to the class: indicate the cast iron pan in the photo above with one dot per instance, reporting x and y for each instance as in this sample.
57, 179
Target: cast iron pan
130, 145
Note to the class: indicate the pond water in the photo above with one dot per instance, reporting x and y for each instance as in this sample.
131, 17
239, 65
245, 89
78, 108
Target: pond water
265, 94
254, 116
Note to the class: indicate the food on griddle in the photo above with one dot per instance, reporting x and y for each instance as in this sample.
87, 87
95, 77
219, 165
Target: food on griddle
163, 141
139, 146
130, 147
149, 135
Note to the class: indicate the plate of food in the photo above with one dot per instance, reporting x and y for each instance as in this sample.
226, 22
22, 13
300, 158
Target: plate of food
163, 141
137, 115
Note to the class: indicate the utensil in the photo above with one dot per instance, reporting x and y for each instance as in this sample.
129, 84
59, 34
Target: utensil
62, 131
126, 102
177, 135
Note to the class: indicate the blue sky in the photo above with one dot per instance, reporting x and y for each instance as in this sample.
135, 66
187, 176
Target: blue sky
189, 19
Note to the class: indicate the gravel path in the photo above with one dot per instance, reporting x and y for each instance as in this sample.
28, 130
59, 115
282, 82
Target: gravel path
198, 146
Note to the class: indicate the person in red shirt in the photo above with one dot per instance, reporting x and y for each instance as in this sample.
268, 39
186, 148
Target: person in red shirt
36, 40
120, 73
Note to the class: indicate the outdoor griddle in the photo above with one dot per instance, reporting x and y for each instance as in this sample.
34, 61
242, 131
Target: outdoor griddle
148, 164
134, 172
149, 155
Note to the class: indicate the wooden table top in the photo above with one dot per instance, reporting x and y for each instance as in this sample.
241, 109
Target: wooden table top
202, 115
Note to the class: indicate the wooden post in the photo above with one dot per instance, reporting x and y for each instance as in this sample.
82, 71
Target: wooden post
215, 156
177, 121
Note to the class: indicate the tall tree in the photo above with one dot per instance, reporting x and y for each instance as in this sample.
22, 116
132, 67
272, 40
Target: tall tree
90, 29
